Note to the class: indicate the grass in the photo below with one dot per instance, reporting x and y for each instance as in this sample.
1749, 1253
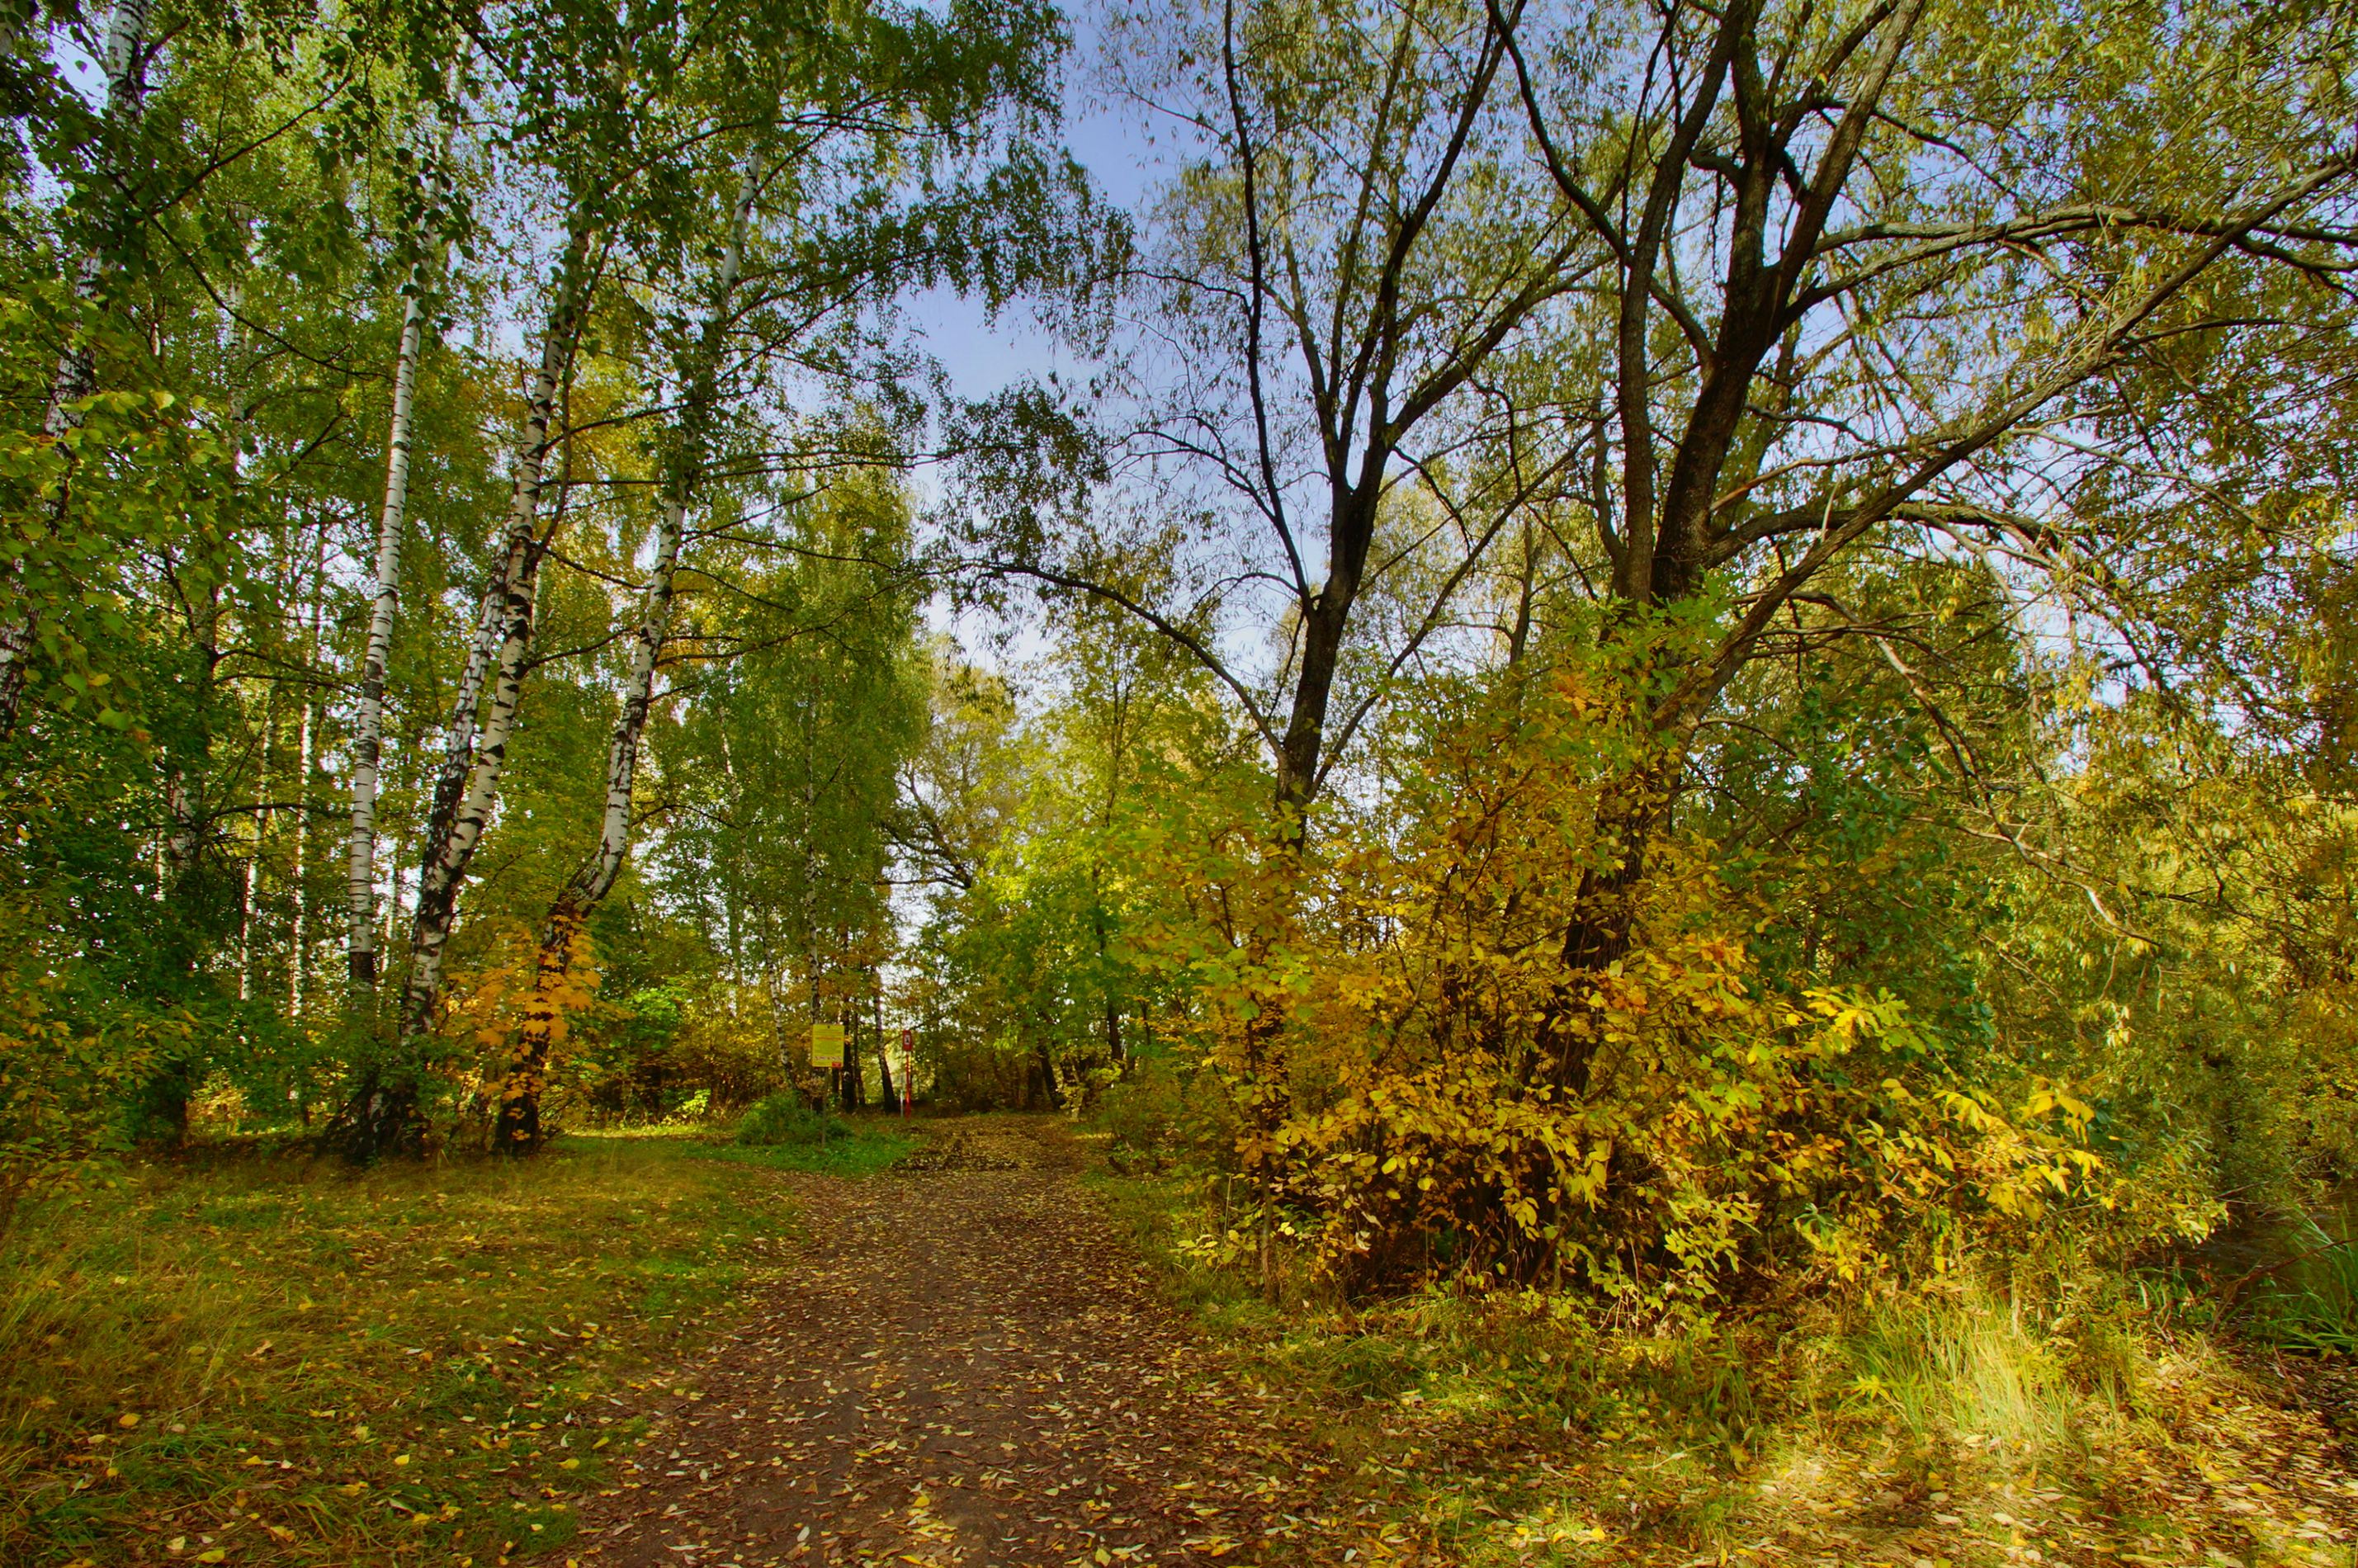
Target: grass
259, 1360
2307, 1297
863, 1153
2061, 1415
782, 1133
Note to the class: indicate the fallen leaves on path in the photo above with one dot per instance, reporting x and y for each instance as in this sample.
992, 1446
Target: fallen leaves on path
966, 1365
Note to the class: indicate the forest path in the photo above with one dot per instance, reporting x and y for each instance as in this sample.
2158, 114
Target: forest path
962, 1363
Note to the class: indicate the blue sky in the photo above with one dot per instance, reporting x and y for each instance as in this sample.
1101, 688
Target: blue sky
982, 356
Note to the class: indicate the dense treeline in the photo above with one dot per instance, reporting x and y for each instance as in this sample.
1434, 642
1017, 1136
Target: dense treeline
1680, 650
451, 450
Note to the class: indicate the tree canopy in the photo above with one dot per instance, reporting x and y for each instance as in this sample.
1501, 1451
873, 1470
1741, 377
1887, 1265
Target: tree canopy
1674, 649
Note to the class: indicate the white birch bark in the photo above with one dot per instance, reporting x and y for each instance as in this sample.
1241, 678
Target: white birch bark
126, 94
654, 609
299, 940
466, 710
245, 923
452, 837
250, 880
518, 1126
251, 891
638, 697
306, 757
451, 843
368, 725
393, 903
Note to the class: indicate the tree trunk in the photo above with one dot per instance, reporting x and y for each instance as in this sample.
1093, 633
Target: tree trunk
393, 904
1046, 1066
466, 708
1305, 730
1300, 756
1629, 817
450, 850
383, 1114
519, 1116
1112, 1010
305, 738
454, 839
251, 877
519, 1127
368, 725
855, 1074
126, 92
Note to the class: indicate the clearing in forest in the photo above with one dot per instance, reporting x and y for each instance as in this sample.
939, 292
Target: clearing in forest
965, 1364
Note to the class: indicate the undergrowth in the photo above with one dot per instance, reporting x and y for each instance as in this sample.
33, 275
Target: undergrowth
826, 1144
788, 1118
260, 1360
2032, 1415
2307, 1299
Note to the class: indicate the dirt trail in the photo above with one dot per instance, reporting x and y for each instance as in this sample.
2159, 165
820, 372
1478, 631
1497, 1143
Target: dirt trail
964, 1364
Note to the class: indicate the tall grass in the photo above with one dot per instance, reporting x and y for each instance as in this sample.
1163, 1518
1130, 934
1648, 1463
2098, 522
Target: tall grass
2307, 1298
1969, 1367
788, 1118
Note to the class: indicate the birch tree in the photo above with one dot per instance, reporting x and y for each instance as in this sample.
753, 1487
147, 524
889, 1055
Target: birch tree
518, 1129
900, 152
849, 105
384, 593
383, 1113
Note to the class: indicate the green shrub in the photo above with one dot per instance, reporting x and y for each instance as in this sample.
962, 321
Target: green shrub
786, 1118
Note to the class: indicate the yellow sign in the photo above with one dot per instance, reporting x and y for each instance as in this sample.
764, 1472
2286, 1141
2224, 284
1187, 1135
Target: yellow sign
826, 1045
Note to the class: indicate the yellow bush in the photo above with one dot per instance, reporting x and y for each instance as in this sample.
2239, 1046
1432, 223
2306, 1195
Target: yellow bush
1382, 1022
